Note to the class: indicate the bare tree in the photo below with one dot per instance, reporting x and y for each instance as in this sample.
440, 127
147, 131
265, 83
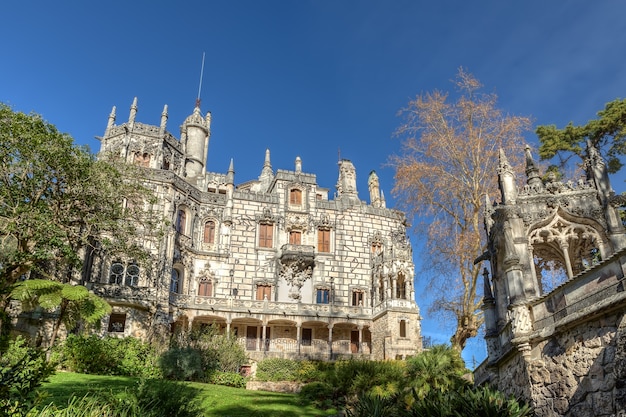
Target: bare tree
448, 164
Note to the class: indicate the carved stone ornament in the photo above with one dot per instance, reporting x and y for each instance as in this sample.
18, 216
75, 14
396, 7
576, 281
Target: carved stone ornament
295, 273
298, 221
520, 320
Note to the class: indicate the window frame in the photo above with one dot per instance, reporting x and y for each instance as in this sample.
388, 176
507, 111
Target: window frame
210, 226
203, 285
295, 197
111, 327
295, 237
263, 290
322, 296
323, 244
403, 328
266, 235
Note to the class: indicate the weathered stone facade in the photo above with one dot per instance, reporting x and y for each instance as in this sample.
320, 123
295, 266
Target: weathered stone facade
562, 349
291, 272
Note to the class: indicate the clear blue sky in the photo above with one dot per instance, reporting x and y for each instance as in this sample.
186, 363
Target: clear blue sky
307, 78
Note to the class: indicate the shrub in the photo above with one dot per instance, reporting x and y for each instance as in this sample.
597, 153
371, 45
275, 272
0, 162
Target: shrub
318, 393
220, 352
182, 364
22, 370
278, 369
230, 379
108, 356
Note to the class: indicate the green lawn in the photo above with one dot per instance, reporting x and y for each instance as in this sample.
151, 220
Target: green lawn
216, 400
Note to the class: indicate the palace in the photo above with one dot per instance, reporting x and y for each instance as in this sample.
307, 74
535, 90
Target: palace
273, 260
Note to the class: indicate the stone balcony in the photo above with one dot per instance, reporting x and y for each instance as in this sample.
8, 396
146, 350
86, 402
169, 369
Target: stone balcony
302, 254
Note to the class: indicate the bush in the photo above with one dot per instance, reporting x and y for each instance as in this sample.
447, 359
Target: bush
278, 369
318, 393
22, 370
230, 379
182, 364
108, 356
220, 352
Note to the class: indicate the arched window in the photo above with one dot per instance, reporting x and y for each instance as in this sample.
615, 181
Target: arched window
121, 273
205, 288
295, 197
175, 281
181, 220
401, 287
209, 232
132, 275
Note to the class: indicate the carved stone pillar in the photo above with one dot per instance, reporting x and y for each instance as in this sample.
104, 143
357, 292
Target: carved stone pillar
263, 337
330, 340
394, 287
568, 263
360, 339
298, 337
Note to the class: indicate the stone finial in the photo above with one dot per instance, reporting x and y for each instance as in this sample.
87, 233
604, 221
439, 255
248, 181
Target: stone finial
207, 119
133, 112
164, 119
111, 121
230, 176
346, 183
383, 203
533, 178
298, 164
374, 189
506, 180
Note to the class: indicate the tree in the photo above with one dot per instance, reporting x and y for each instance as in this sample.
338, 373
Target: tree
58, 201
447, 166
74, 303
607, 133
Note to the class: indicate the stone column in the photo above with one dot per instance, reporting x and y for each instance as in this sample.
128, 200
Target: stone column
330, 340
568, 263
360, 350
263, 337
298, 337
228, 327
394, 287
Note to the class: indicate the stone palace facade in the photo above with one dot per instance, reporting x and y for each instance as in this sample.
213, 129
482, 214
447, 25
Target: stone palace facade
273, 260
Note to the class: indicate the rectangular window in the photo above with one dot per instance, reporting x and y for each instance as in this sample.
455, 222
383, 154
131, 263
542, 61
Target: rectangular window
209, 232
295, 237
402, 328
180, 221
357, 298
205, 289
117, 322
323, 240
263, 292
295, 197
266, 235
323, 296
307, 337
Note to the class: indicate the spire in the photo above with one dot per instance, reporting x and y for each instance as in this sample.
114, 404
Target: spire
374, 189
163, 119
383, 203
230, 176
532, 172
133, 112
111, 121
267, 175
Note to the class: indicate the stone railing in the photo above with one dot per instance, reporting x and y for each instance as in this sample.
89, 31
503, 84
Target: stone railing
395, 303
595, 289
123, 292
267, 307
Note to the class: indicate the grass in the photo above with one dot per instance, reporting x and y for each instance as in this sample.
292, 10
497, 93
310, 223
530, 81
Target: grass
216, 400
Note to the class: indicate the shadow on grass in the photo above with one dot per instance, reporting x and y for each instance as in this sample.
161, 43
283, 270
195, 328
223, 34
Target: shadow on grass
64, 385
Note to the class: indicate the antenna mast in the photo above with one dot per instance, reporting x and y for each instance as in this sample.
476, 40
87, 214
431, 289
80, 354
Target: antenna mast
200, 86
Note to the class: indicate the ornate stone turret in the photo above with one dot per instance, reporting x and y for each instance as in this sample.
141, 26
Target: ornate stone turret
267, 174
110, 123
346, 184
195, 134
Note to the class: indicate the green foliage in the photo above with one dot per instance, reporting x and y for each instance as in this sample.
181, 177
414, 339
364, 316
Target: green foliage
23, 369
218, 351
439, 369
229, 379
607, 133
150, 398
278, 369
107, 356
56, 199
318, 393
182, 364
373, 406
